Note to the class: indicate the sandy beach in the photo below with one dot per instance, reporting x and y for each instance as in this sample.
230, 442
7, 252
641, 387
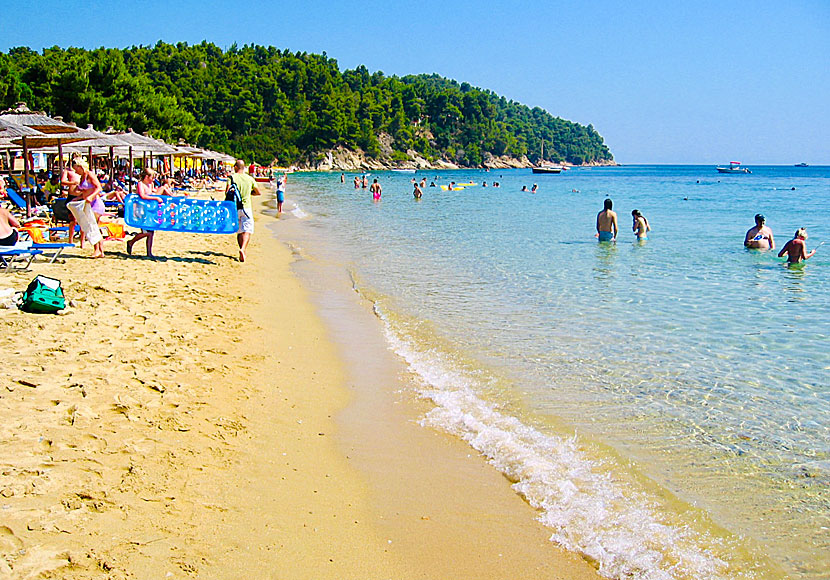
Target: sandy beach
193, 417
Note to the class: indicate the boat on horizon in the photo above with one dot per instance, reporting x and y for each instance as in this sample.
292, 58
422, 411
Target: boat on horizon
801, 165
734, 167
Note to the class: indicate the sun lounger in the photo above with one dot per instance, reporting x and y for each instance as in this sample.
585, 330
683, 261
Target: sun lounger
51, 250
18, 200
15, 198
17, 259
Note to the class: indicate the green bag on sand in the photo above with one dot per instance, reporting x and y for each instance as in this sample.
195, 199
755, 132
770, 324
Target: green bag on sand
44, 295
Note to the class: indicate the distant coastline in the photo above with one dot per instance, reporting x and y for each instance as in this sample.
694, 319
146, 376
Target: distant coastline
344, 159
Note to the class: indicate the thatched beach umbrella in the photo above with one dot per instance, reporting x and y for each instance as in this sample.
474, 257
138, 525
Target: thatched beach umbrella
144, 144
22, 115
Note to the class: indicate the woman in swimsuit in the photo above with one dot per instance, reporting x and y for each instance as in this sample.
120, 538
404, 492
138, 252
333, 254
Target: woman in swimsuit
795, 249
145, 190
70, 180
640, 227
87, 191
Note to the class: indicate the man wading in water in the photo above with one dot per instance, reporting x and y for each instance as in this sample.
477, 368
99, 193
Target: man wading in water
607, 223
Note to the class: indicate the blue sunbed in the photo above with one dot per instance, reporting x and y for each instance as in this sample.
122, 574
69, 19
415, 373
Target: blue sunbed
17, 260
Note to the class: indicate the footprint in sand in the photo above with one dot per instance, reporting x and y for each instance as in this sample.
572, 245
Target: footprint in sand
9, 543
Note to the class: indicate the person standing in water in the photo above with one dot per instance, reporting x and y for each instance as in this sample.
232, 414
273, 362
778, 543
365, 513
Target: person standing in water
376, 190
417, 192
281, 191
795, 249
759, 237
640, 227
607, 223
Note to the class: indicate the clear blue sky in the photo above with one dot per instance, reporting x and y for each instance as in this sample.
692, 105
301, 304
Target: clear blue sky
663, 82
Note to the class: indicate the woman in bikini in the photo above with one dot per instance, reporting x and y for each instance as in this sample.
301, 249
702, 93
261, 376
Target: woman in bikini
640, 227
795, 249
87, 191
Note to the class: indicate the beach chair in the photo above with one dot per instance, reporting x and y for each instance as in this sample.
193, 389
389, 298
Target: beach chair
50, 250
17, 259
15, 198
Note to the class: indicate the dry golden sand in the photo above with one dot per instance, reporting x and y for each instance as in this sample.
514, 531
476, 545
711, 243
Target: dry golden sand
176, 424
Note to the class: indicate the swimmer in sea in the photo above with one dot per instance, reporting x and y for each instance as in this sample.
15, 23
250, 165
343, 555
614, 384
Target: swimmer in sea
534, 188
795, 249
524, 188
640, 227
607, 223
759, 237
417, 192
376, 190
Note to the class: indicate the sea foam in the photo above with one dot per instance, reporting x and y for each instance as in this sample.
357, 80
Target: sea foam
590, 509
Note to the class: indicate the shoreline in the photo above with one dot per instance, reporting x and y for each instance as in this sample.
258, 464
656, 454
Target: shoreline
443, 507
184, 420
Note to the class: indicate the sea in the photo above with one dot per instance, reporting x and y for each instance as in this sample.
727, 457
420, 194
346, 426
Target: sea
663, 404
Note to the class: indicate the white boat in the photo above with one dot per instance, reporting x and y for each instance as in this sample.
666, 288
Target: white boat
547, 169
734, 167
404, 170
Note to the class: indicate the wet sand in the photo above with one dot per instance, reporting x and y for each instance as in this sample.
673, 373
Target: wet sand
193, 417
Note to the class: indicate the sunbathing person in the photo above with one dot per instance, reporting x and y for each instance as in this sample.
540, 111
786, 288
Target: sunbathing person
8, 223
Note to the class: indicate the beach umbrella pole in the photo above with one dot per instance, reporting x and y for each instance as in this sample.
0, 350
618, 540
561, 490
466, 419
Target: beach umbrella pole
26, 176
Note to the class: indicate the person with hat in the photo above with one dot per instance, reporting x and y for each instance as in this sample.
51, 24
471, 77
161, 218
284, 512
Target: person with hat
759, 237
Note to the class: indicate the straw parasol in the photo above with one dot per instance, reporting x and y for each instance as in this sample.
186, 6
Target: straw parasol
143, 144
22, 115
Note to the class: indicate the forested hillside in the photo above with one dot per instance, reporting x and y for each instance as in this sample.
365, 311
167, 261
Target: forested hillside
265, 103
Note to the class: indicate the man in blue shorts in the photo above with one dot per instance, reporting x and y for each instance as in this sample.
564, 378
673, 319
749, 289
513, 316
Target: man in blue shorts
607, 223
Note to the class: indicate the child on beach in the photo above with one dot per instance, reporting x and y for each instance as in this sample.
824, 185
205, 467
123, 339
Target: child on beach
795, 249
281, 191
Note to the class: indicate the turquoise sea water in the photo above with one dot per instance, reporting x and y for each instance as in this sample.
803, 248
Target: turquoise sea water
663, 404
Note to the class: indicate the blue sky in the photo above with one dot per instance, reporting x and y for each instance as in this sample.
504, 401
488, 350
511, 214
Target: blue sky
663, 82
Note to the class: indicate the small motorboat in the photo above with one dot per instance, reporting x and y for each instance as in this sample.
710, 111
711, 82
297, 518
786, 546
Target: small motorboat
547, 169
734, 167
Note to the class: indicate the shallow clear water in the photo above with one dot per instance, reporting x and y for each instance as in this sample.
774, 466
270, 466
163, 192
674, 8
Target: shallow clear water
693, 372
